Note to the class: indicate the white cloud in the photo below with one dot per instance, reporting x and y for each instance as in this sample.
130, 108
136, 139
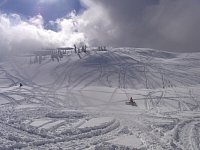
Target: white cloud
24, 35
37, 21
96, 23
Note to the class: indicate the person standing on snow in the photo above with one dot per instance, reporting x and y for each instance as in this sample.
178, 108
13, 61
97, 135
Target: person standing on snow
20, 85
75, 48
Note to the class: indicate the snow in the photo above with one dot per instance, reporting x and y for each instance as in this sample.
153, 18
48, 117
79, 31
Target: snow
40, 122
50, 125
128, 141
95, 122
3, 101
27, 106
81, 103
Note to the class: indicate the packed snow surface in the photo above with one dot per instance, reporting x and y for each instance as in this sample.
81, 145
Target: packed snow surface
127, 141
80, 101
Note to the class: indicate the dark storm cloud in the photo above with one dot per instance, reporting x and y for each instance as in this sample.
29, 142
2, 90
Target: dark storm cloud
172, 25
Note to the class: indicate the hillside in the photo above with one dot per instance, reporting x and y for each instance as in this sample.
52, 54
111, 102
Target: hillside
81, 103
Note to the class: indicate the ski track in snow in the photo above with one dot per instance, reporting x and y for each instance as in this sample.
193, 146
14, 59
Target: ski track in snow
80, 103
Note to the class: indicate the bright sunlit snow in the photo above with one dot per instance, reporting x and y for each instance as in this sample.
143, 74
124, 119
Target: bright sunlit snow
81, 100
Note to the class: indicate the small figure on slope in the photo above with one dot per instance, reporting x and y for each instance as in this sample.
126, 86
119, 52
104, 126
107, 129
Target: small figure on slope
20, 85
132, 102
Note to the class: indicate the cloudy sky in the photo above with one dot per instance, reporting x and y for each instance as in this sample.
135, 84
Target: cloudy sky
172, 25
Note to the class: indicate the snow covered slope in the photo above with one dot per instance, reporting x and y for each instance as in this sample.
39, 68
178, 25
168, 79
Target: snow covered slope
80, 103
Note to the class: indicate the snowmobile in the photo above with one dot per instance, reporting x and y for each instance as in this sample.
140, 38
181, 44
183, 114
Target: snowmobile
131, 103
